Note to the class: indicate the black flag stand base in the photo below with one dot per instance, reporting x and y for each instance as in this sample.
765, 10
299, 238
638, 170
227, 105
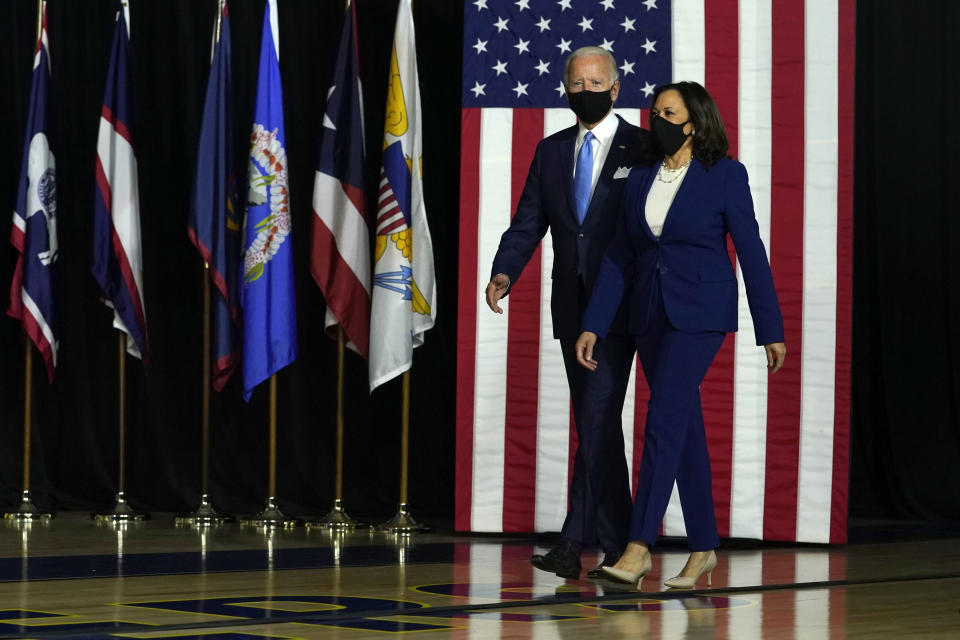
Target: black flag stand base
271, 516
403, 522
204, 515
336, 520
121, 512
27, 512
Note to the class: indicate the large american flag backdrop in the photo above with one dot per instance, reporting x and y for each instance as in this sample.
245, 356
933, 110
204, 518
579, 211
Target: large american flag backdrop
781, 72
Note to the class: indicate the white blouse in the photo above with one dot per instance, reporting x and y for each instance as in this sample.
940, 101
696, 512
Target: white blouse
661, 195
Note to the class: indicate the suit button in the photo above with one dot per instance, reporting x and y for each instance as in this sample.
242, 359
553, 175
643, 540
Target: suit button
663, 270
580, 236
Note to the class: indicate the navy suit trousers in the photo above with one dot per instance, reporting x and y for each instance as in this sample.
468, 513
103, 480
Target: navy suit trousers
675, 445
599, 512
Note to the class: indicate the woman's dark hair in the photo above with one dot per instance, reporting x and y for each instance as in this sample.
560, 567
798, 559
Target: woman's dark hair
710, 138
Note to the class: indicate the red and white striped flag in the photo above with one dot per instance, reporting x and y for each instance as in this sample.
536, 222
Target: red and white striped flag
782, 75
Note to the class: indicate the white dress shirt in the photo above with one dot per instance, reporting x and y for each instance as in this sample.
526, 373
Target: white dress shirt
603, 133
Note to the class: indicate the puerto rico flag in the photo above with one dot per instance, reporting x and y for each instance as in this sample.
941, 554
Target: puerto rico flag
117, 260
340, 235
782, 76
214, 222
34, 230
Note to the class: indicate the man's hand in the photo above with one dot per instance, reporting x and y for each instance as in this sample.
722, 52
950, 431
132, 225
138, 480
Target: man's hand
496, 289
776, 352
584, 350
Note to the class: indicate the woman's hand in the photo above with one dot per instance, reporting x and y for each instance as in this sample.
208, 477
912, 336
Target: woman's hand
584, 350
776, 352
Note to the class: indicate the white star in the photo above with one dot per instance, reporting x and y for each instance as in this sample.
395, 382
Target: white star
544, 25
480, 4
586, 24
480, 46
627, 68
522, 4
648, 46
607, 4
478, 89
500, 67
648, 89
501, 24
649, 4
543, 67
522, 46
561, 90
607, 44
627, 24
564, 4
520, 89
564, 45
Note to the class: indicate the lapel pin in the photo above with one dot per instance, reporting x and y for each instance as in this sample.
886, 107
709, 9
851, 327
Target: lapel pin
623, 146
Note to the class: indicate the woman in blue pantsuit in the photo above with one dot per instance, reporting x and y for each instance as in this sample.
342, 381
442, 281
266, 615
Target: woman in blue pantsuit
670, 259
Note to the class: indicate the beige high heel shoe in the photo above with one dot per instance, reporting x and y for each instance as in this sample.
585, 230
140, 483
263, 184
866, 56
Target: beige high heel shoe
629, 577
684, 582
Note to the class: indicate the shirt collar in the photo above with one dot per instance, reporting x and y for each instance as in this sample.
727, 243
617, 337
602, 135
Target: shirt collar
603, 131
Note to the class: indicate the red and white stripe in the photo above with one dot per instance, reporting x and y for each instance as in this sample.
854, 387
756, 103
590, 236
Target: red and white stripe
389, 214
782, 76
340, 258
116, 175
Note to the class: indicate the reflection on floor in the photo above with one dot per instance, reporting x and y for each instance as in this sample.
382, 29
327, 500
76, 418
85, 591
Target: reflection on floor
71, 578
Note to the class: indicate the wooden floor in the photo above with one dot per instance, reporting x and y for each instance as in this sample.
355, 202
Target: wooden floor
74, 579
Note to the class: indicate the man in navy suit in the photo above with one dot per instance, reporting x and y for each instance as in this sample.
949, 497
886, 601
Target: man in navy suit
574, 189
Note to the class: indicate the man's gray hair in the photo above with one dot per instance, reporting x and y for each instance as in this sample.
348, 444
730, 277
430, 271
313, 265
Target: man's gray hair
591, 51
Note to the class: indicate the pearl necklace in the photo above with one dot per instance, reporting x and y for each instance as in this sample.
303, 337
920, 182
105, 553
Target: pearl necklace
673, 173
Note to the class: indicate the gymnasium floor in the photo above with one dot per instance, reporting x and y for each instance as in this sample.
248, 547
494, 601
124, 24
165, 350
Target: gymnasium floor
73, 578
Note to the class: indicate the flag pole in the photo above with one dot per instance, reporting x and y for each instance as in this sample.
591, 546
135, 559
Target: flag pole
403, 522
337, 518
271, 516
122, 511
27, 510
205, 514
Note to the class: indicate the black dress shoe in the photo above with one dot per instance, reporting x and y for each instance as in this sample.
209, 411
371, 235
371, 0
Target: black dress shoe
562, 560
609, 559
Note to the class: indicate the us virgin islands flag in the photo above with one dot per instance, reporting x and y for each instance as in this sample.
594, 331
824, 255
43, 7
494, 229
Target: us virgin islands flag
34, 230
404, 296
269, 306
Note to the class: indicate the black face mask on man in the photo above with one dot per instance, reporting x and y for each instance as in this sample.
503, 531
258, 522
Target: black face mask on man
590, 106
668, 137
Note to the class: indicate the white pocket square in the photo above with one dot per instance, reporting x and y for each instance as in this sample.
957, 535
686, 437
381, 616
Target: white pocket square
621, 173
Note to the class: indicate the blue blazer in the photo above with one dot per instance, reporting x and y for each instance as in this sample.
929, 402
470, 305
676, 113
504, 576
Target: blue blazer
697, 280
547, 203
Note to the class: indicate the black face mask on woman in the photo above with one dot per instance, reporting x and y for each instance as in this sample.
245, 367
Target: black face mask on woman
668, 137
590, 106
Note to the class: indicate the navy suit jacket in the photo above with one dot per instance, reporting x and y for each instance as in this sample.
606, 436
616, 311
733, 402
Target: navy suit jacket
547, 203
697, 279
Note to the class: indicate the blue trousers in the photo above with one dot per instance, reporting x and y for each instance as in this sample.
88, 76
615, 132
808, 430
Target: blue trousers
675, 444
599, 511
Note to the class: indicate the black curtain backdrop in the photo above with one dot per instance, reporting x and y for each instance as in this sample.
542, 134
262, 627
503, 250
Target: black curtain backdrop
906, 311
906, 341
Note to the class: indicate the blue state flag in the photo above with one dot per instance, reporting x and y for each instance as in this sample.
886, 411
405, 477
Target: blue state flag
214, 222
34, 229
269, 305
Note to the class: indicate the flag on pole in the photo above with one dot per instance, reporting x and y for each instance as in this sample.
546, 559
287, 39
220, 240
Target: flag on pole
404, 304
340, 234
34, 229
117, 259
214, 222
269, 304
778, 71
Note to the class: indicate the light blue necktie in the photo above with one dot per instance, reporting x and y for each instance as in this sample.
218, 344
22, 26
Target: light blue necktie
583, 177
